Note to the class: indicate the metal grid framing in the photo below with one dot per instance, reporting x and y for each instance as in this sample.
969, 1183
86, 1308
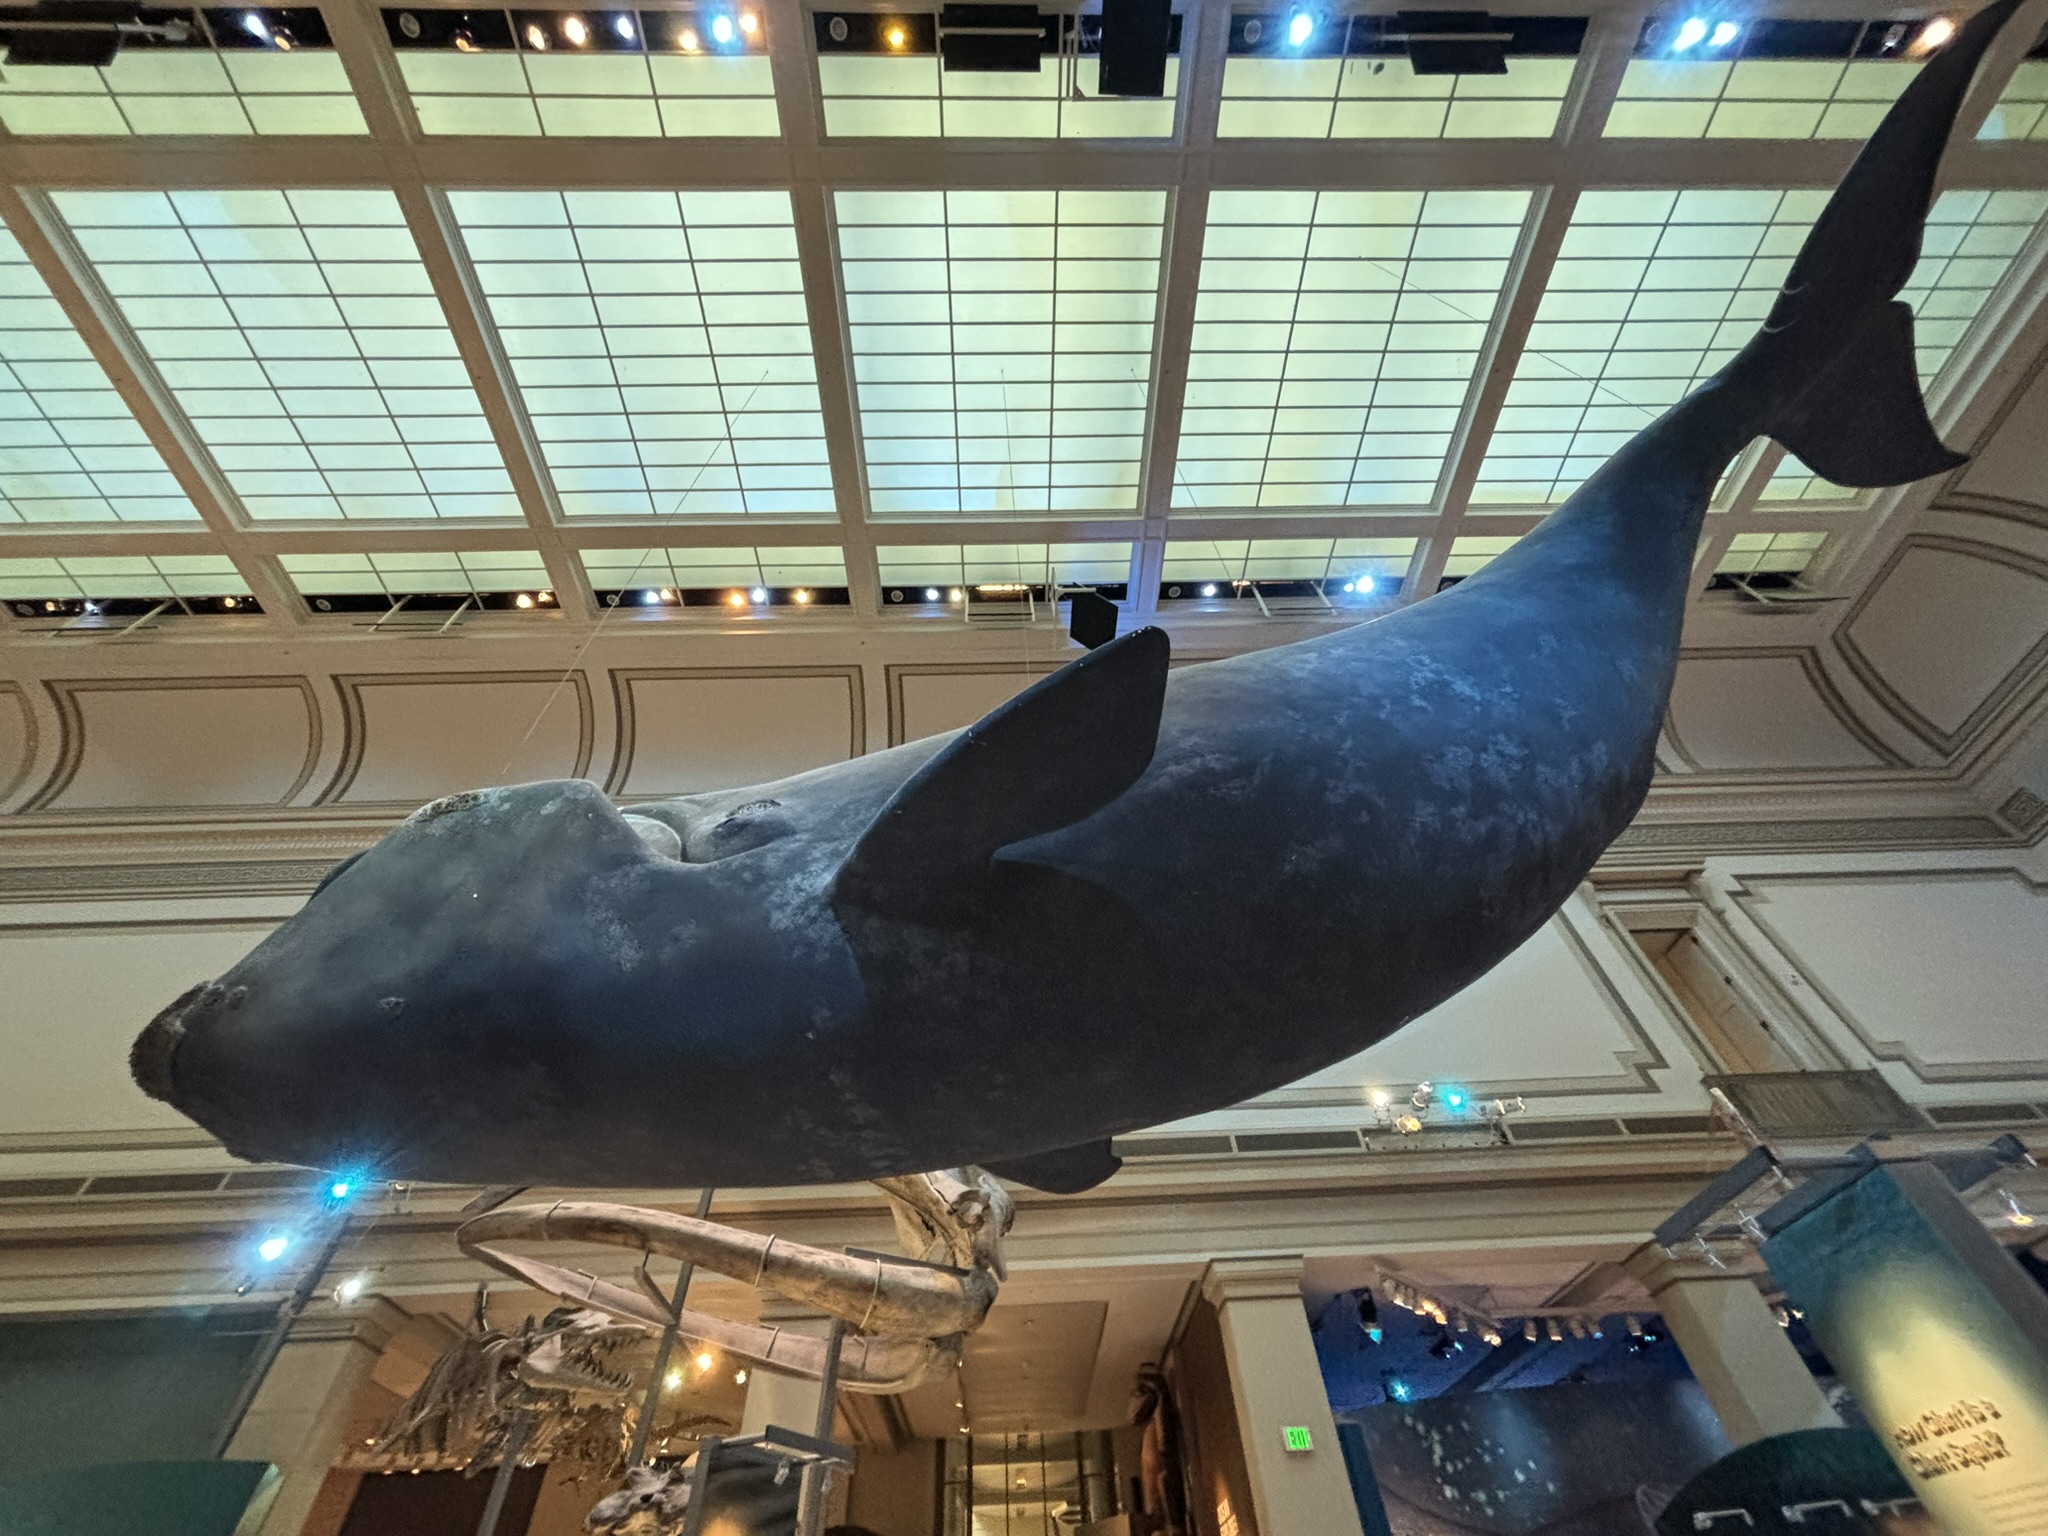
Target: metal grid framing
425, 187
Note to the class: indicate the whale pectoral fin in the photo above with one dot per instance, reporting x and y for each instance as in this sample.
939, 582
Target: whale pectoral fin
1067, 1171
1061, 750
1862, 421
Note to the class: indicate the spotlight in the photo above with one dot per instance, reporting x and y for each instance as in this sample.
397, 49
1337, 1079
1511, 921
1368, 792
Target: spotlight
350, 1289
536, 39
623, 25
749, 23
272, 1248
1556, 1333
1363, 584
2016, 1215
800, 596
91, 606
576, 30
1529, 1329
704, 1360
721, 30
896, 38
688, 38
1209, 589
957, 595
1691, 34
672, 1380
523, 600
668, 594
340, 1189
759, 594
1454, 1098
931, 594
1725, 32
739, 1378
254, 24
547, 597
649, 598
227, 602
1380, 1098
736, 599
1934, 34
1634, 1325
1398, 1391
1300, 26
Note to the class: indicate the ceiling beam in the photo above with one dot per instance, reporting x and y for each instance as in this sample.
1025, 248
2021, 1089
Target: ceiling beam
817, 249
93, 313
365, 53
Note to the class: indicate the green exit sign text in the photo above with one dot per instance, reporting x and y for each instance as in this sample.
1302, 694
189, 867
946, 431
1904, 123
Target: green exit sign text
1296, 1437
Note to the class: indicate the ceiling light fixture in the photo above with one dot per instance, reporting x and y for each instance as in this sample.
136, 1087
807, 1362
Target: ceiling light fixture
1691, 34
1933, 35
536, 39
801, 596
759, 594
896, 37
523, 600
623, 26
721, 30
931, 594
576, 30
749, 23
688, 38
272, 1248
1725, 32
1300, 28
254, 24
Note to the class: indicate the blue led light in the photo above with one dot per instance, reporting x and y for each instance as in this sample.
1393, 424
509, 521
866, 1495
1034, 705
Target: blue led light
1300, 26
1454, 1098
623, 25
1363, 584
1725, 32
721, 30
272, 1248
1691, 34
339, 1189
1399, 1390
255, 25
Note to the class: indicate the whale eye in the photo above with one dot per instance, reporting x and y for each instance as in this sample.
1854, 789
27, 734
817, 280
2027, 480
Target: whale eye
657, 835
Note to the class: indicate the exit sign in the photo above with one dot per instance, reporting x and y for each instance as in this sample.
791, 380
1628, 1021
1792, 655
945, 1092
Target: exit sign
1296, 1437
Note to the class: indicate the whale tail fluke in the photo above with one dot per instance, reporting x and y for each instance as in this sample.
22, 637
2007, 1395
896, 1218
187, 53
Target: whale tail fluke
1834, 360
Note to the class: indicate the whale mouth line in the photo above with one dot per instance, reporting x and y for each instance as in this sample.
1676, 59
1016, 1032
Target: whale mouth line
152, 1058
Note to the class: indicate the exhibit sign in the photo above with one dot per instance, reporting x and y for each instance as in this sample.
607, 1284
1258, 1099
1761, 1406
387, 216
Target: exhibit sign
1940, 1335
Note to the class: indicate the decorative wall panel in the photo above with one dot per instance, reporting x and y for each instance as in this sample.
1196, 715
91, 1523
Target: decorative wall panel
1944, 972
1944, 631
181, 743
17, 738
2013, 465
1544, 1019
413, 738
688, 729
925, 700
1761, 710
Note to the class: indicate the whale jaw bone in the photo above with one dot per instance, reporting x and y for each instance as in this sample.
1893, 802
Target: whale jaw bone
907, 1317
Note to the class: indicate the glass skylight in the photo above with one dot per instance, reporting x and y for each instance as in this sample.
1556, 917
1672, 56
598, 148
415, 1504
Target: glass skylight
299, 333
1002, 346
238, 72
1336, 335
1652, 291
496, 570
908, 568
1332, 560
1757, 554
661, 347
1472, 552
773, 566
1772, 78
1349, 79
70, 452
114, 576
2022, 108
880, 77
587, 74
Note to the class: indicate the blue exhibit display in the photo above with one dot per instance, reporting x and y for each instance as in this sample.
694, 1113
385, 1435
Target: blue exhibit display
1940, 1335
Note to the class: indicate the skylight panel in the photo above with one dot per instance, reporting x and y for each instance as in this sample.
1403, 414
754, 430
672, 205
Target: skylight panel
907, 569
1652, 292
475, 571
2022, 108
1473, 552
299, 333
772, 566
1336, 561
70, 451
238, 73
661, 347
96, 577
880, 77
1002, 346
588, 74
1773, 554
1336, 337
1351, 78
1770, 78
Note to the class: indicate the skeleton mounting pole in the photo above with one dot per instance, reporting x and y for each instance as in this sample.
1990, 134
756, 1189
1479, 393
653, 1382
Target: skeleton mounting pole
817, 1477
643, 1429
501, 1485
288, 1312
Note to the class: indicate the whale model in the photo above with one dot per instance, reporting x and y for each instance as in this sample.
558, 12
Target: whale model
1122, 898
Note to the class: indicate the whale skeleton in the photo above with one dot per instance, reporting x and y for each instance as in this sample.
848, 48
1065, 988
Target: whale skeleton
906, 1315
